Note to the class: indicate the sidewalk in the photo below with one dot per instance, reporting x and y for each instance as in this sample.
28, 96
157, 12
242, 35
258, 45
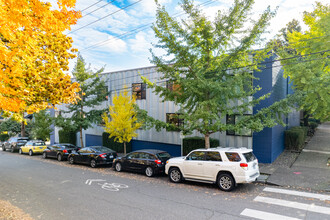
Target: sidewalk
308, 169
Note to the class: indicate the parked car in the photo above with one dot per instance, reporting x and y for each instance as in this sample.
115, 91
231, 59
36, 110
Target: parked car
33, 147
224, 166
94, 156
59, 151
14, 143
147, 161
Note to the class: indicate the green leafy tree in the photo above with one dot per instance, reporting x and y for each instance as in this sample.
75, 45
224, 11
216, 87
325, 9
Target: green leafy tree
82, 114
211, 63
121, 122
10, 126
308, 63
41, 127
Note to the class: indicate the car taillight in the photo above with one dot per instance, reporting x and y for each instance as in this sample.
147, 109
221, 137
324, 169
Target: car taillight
65, 151
158, 161
243, 165
103, 155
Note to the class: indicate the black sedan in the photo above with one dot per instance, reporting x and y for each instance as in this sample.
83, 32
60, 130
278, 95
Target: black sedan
94, 156
149, 162
59, 151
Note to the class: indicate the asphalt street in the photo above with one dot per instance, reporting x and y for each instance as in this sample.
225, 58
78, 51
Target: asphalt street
48, 189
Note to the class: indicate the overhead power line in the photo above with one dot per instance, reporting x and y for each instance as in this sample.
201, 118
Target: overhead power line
91, 6
121, 9
98, 8
138, 29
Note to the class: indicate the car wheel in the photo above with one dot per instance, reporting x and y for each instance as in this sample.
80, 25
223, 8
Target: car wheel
226, 182
71, 160
12, 150
44, 155
118, 167
59, 157
93, 163
3, 148
30, 152
149, 172
175, 175
20, 151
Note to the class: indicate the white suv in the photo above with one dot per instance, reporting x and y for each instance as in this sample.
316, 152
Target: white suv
224, 166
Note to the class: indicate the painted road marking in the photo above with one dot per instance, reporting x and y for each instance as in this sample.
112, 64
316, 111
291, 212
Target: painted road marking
297, 193
297, 205
113, 186
89, 181
265, 215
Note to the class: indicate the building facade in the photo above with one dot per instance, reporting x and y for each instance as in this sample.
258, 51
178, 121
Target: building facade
267, 144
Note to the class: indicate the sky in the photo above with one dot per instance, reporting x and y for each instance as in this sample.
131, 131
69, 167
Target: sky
117, 34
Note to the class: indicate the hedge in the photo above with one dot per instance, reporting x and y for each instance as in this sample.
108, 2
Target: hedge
295, 138
111, 143
192, 143
67, 137
4, 137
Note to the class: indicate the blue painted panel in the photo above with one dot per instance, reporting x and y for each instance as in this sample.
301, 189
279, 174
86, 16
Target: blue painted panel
93, 140
173, 149
262, 145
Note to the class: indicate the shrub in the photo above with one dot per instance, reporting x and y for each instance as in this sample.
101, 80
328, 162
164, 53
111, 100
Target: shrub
313, 125
67, 137
4, 137
111, 143
192, 143
295, 138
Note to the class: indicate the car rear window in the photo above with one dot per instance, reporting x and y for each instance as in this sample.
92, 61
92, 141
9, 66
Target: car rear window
233, 157
39, 144
103, 149
249, 156
164, 156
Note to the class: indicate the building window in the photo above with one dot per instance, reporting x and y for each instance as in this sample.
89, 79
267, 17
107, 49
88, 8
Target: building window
172, 86
139, 90
173, 118
233, 119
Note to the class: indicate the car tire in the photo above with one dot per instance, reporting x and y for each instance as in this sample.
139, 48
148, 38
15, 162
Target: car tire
226, 182
175, 175
118, 167
59, 157
93, 163
30, 152
20, 151
12, 150
149, 171
3, 148
71, 160
44, 155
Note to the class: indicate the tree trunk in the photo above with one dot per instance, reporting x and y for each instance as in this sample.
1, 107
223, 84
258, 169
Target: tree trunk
22, 127
124, 148
81, 138
207, 141
81, 116
306, 117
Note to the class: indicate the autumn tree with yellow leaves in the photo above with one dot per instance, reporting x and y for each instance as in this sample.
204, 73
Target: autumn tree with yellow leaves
34, 52
121, 123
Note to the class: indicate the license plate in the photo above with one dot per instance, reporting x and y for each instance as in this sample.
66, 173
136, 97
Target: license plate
40, 147
110, 156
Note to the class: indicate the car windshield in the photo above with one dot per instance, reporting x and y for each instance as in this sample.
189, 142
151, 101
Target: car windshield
249, 157
164, 156
103, 149
69, 146
39, 144
22, 140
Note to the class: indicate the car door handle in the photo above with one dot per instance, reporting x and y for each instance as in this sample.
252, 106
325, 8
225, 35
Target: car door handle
199, 164
218, 165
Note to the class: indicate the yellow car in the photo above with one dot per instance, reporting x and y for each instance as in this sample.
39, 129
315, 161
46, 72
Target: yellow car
33, 147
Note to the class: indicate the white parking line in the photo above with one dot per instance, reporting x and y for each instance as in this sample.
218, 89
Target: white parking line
296, 205
297, 193
265, 215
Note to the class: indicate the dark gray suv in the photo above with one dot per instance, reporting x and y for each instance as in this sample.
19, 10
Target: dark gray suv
14, 143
